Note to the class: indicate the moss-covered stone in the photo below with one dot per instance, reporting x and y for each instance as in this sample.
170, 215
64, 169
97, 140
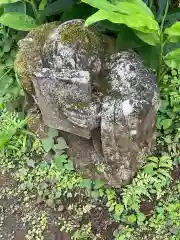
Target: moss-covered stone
87, 38
28, 59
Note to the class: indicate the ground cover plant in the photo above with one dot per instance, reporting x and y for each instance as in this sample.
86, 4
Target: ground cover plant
41, 191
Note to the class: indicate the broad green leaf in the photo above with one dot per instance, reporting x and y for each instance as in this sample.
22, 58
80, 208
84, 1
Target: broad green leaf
144, 8
173, 15
18, 21
166, 123
47, 143
127, 39
98, 184
173, 32
15, 7
80, 11
150, 55
151, 38
57, 7
8, 1
136, 21
133, 7
105, 5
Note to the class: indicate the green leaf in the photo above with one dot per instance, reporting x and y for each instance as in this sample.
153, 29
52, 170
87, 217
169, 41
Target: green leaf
149, 168
161, 8
95, 194
119, 208
150, 55
132, 218
104, 5
47, 143
43, 4
18, 21
98, 184
173, 16
136, 21
5, 82
127, 39
15, 7
141, 217
134, 7
165, 165
164, 172
173, 32
153, 159
166, 123
61, 145
80, 11
69, 166
160, 210
61, 159
172, 59
57, 7
86, 183
8, 1
151, 38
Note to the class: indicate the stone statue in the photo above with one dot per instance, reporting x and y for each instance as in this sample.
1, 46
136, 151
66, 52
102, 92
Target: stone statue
103, 102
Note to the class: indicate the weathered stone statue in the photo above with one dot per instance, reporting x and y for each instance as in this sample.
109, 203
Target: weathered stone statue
103, 102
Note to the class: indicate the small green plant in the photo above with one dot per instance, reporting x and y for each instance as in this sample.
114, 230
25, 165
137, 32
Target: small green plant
9, 85
140, 186
10, 125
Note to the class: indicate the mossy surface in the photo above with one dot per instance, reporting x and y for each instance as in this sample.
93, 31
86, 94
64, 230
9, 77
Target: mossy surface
77, 34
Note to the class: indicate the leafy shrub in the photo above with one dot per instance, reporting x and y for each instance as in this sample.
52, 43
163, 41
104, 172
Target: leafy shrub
9, 86
137, 16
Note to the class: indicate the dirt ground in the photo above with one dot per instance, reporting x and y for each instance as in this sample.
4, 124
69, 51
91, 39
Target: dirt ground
16, 218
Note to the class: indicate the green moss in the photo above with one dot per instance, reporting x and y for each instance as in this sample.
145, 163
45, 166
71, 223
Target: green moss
86, 37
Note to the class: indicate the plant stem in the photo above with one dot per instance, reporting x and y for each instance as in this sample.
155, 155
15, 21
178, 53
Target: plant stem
6, 72
34, 7
161, 42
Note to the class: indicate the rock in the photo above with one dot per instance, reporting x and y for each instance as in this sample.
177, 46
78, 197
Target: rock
103, 102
